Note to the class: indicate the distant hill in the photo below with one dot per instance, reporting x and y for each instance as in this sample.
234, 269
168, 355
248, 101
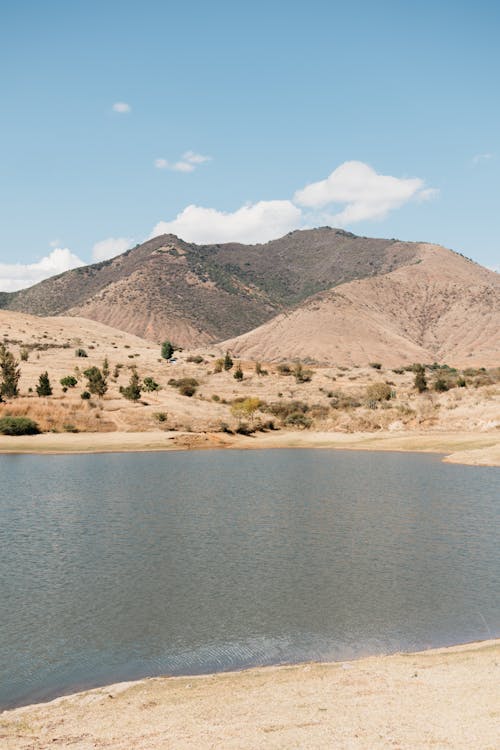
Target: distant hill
323, 294
195, 294
441, 308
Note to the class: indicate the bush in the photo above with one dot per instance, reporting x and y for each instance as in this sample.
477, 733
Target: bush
301, 375
218, 365
85, 396
340, 400
227, 362
420, 379
149, 385
18, 426
375, 365
284, 409
160, 416
133, 390
80, 353
196, 358
187, 390
70, 428
284, 369
378, 392
167, 350
24, 354
96, 382
441, 385
298, 419
69, 381
238, 373
44, 388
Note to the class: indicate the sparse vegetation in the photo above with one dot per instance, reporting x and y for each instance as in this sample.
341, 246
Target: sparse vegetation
44, 388
420, 382
228, 362
81, 353
238, 373
379, 392
18, 426
69, 381
132, 391
149, 385
9, 372
167, 350
96, 382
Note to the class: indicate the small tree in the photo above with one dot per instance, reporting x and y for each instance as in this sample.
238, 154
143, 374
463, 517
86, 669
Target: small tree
245, 408
44, 388
10, 373
420, 379
238, 373
167, 350
96, 382
149, 384
133, 390
228, 362
105, 367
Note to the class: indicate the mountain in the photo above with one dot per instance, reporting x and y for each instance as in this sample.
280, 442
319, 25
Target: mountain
441, 308
323, 294
195, 294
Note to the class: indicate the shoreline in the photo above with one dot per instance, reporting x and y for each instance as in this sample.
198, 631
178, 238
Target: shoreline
371, 702
468, 448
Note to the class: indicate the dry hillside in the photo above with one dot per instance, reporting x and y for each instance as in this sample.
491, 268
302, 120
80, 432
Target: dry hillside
441, 308
331, 398
195, 294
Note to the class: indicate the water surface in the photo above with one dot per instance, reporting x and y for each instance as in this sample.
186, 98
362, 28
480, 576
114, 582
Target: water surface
119, 566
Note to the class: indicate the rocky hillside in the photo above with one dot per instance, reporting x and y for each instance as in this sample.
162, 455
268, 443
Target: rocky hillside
196, 294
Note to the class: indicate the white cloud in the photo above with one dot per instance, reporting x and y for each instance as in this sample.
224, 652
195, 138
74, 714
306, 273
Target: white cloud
109, 248
479, 158
252, 223
122, 107
187, 163
15, 276
194, 158
366, 194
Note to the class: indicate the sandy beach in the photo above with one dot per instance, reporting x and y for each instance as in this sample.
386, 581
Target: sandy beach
475, 449
443, 698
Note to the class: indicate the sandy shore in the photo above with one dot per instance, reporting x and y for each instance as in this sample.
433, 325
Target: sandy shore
444, 698
477, 449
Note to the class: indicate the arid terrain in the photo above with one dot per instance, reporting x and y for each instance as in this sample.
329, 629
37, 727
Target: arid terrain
342, 406
322, 295
440, 699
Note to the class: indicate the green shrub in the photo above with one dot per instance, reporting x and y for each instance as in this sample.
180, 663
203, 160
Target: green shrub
85, 395
167, 350
18, 426
69, 381
441, 385
298, 419
132, 391
70, 428
80, 353
375, 365
227, 362
44, 388
196, 358
238, 373
149, 385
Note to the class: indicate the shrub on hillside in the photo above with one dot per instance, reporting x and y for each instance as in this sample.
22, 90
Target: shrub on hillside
69, 381
18, 426
378, 392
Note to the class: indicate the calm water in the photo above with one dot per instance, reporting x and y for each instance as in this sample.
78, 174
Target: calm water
119, 566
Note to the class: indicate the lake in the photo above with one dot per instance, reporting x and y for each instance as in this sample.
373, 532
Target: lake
119, 566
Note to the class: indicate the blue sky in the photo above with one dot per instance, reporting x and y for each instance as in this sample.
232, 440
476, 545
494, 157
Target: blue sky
399, 102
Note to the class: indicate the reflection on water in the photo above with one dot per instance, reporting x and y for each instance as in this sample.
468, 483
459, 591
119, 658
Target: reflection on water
119, 566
